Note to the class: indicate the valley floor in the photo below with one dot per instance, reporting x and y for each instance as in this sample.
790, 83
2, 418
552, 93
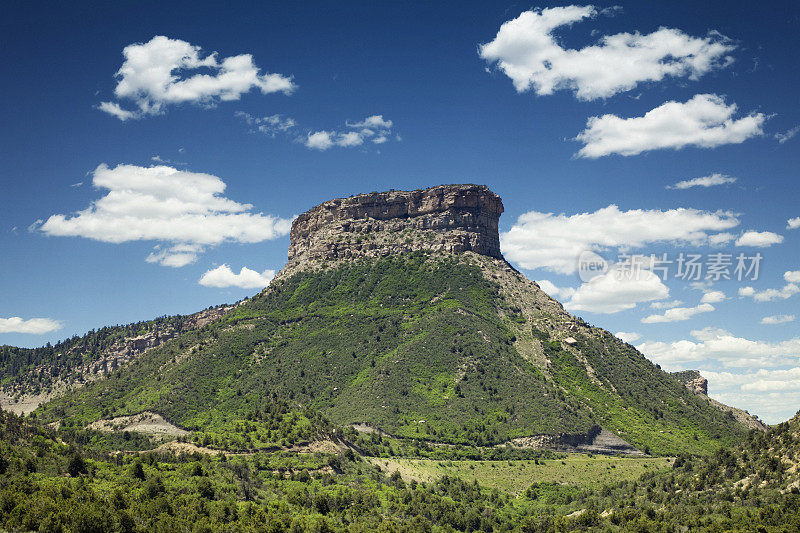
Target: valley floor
516, 476
76, 480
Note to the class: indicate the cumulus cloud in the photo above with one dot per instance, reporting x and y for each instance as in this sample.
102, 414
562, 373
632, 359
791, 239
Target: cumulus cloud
718, 345
526, 50
373, 129
556, 292
773, 394
718, 239
166, 71
787, 135
628, 337
705, 181
793, 223
759, 239
777, 319
554, 242
713, 297
183, 211
35, 326
761, 376
617, 290
678, 314
223, 277
792, 278
704, 121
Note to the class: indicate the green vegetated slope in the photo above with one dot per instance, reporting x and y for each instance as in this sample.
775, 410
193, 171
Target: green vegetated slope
416, 345
753, 486
633, 398
66, 480
34, 370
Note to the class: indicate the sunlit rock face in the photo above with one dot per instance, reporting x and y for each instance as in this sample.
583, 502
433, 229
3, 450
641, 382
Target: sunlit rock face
447, 218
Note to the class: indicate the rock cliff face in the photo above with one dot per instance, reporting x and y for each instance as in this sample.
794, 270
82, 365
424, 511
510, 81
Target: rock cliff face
693, 381
699, 385
447, 218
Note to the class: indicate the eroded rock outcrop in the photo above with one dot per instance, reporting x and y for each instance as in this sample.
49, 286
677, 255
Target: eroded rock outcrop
24, 394
699, 385
693, 381
447, 218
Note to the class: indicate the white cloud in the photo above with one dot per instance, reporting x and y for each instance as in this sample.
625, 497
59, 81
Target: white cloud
554, 242
773, 394
319, 140
759, 239
705, 181
678, 314
351, 138
157, 73
526, 50
713, 297
704, 121
175, 256
223, 276
773, 380
792, 278
115, 110
617, 290
556, 292
787, 135
628, 337
270, 125
723, 347
777, 319
793, 223
373, 128
665, 305
719, 239
375, 122
35, 326
185, 210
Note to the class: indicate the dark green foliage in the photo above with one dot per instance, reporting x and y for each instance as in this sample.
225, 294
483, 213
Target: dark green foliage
33, 370
748, 487
77, 465
649, 408
415, 345
383, 342
286, 491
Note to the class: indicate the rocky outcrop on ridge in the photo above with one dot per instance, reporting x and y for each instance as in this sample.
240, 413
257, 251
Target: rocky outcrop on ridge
693, 381
446, 218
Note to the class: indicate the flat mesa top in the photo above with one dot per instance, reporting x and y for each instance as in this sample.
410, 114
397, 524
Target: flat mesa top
419, 201
452, 218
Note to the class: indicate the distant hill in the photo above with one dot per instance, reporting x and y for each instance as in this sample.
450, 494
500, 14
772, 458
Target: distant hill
32, 376
396, 311
752, 486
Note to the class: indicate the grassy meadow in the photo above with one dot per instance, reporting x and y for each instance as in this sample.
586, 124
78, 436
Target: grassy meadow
516, 476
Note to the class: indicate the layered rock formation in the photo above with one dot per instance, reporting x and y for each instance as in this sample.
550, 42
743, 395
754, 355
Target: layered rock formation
447, 218
693, 381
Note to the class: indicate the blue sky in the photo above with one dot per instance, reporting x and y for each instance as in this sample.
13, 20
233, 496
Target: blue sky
335, 100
